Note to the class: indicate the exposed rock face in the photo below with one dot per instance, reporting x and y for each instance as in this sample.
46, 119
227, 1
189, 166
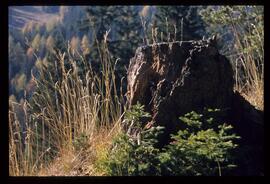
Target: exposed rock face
248, 122
172, 79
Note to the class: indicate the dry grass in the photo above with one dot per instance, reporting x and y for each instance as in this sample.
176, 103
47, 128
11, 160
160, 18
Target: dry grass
82, 162
255, 97
41, 142
242, 29
250, 83
249, 76
249, 59
60, 113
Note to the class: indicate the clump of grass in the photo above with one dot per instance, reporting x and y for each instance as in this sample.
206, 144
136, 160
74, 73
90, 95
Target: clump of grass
245, 24
250, 58
156, 35
79, 102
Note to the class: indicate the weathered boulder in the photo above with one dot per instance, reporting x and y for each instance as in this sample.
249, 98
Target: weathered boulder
248, 122
172, 79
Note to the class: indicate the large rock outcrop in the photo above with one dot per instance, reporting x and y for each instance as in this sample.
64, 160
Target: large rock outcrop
174, 78
171, 79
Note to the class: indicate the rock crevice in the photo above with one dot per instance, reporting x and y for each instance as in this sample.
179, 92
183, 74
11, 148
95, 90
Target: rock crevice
172, 79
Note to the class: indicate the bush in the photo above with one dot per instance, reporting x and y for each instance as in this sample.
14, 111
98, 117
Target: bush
203, 148
133, 152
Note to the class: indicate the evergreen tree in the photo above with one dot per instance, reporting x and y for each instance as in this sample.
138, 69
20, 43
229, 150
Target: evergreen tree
36, 42
51, 25
50, 9
124, 37
59, 39
85, 46
20, 83
69, 15
75, 44
42, 49
50, 43
29, 30
185, 21
17, 58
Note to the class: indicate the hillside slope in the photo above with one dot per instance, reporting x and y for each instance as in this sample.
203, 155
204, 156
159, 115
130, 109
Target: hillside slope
18, 16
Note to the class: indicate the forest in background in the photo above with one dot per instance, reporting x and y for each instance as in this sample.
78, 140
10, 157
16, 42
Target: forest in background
102, 39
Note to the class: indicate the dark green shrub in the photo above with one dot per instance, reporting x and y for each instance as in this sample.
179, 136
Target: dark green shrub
133, 118
128, 158
133, 152
202, 148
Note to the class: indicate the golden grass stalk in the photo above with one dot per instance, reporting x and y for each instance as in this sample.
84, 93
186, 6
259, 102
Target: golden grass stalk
62, 110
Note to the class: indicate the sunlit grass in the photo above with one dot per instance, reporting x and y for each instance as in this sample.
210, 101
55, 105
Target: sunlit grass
85, 104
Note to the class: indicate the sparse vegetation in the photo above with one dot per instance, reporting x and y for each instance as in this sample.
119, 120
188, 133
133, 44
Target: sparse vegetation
66, 114
242, 27
203, 148
67, 109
